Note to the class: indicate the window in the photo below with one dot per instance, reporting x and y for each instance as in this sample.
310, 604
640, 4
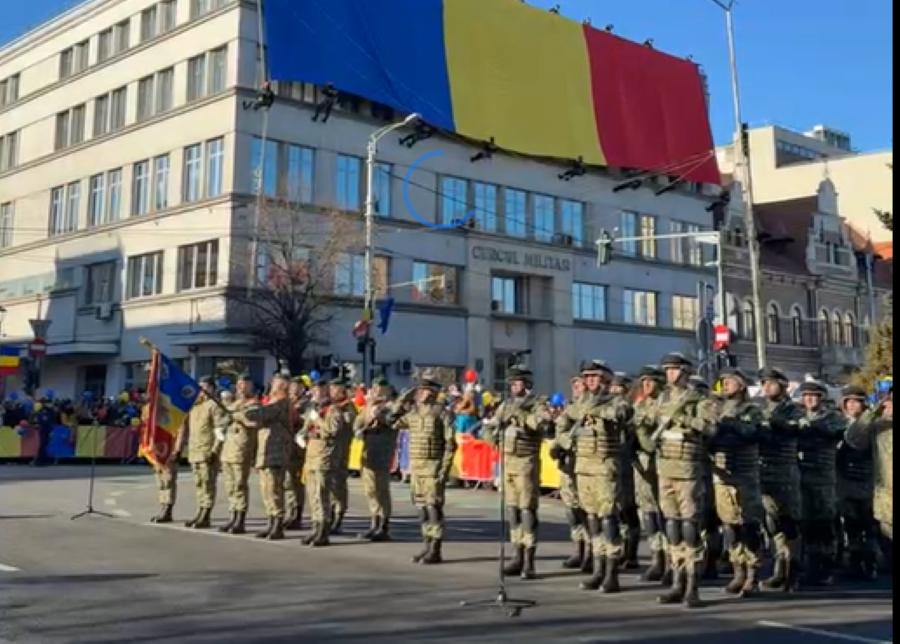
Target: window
96, 200
104, 45
588, 302
62, 130
544, 217
382, 189
113, 195
639, 307
677, 245
198, 265
196, 76
100, 282
348, 182
118, 109
6, 225
66, 60
748, 321
145, 98
69, 127
849, 331
193, 166
269, 180
149, 23
9, 90
73, 60
733, 318
506, 295
9, 151
824, 328
73, 199
140, 188
215, 166
514, 212
685, 312
201, 7
101, 115
121, 36
648, 229
64, 208
486, 207
434, 283
453, 200
298, 181
217, 67
695, 249
207, 73
573, 220
164, 84
57, 206
167, 15
837, 329
161, 182
145, 274
773, 319
350, 275
797, 326
628, 222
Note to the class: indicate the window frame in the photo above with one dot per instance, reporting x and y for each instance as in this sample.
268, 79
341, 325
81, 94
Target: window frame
7, 222
680, 313
192, 173
594, 293
348, 183
140, 188
454, 200
206, 252
149, 265
646, 316
515, 197
214, 168
485, 214
421, 294
107, 288
572, 220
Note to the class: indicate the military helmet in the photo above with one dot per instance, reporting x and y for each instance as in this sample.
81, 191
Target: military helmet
651, 372
771, 373
698, 384
621, 379
676, 360
852, 392
339, 381
519, 373
596, 367
812, 387
737, 374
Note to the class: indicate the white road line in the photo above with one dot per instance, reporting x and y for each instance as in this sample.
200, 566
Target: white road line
5, 568
469, 530
110, 502
119, 512
817, 631
117, 493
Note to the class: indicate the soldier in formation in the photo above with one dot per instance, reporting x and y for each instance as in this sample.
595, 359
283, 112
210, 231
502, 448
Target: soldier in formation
379, 438
238, 457
294, 490
200, 425
621, 386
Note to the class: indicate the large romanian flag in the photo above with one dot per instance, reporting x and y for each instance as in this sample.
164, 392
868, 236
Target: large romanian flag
171, 394
9, 361
535, 82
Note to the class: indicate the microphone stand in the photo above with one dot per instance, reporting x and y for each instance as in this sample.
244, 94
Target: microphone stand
90, 501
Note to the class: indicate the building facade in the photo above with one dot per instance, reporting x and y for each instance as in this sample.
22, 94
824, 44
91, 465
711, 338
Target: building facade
132, 159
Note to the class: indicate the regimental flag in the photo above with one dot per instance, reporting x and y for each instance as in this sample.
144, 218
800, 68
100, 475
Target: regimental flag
171, 394
9, 361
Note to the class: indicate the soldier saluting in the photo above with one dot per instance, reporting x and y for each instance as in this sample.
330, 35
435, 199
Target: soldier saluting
379, 439
238, 453
200, 427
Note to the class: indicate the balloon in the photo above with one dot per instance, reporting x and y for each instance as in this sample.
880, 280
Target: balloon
486, 398
49, 394
224, 382
37, 407
306, 380
135, 422
558, 400
124, 397
315, 375
359, 399
471, 375
14, 396
28, 404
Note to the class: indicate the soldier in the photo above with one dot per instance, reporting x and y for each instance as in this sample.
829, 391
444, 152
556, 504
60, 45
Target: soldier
563, 450
294, 491
780, 478
821, 429
620, 386
855, 488
379, 446
678, 431
738, 500
518, 428
431, 447
272, 424
238, 454
200, 428
167, 485
711, 527
340, 498
646, 484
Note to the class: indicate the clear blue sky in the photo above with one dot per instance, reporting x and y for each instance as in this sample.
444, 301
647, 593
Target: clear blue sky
802, 62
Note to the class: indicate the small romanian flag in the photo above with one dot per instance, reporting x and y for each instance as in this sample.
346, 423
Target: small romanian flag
9, 361
171, 394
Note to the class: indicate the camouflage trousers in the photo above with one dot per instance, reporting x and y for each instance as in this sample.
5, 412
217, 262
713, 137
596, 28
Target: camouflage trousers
782, 501
340, 496
600, 496
427, 491
738, 504
568, 494
685, 557
167, 482
271, 489
237, 485
646, 489
294, 490
321, 489
682, 498
377, 488
205, 474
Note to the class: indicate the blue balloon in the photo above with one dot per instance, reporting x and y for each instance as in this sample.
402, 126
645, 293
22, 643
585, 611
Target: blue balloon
884, 385
224, 382
314, 375
50, 394
558, 400
28, 404
14, 396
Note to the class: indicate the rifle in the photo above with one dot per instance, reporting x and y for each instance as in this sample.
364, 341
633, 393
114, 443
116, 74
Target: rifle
655, 436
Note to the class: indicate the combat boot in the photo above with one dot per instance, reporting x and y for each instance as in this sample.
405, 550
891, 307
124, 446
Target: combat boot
632, 542
165, 514
203, 521
290, 517
373, 528
751, 585
528, 571
692, 590
791, 576
738, 580
514, 567
434, 554
227, 527
417, 558
294, 524
587, 563
676, 594
382, 532
193, 522
336, 523
239, 521
320, 536
657, 566
598, 575
308, 539
277, 532
611, 579
668, 577
262, 534
574, 562
778, 578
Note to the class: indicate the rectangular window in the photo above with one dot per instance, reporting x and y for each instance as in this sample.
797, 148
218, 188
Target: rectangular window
215, 166
270, 171
348, 182
350, 276
628, 223
118, 109
122, 34
198, 265
145, 99
57, 210
149, 23
140, 188
695, 248
193, 167
9, 151
201, 7
167, 15
69, 128
80, 56
382, 189
161, 182
514, 212
544, 217
486, 207
434, 283
648, 229
685, 312
66, 63
218, 59
73, 201
76, 127
113, 195
298, 184
96, 200
101, 115
678, 245
573, 220
62, 131
145, 274
506, 295
6, 225
9, 90
164, 84
639, 307
588, 302
104, 45
454, 202
196, 76
99, 287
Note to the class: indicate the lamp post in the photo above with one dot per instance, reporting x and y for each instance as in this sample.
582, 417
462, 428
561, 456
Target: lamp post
369, 264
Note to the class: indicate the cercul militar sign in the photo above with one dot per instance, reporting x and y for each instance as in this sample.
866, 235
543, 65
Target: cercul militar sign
523, 259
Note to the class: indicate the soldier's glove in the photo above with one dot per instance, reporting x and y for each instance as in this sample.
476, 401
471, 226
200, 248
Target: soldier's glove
557, 453
804, 423
300, 440
220, 434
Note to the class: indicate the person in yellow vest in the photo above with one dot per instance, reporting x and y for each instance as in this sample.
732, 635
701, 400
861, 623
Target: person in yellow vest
200, 428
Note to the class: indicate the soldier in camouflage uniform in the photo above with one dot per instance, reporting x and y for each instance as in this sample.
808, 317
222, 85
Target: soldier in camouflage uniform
238, 454
340, 499
738, 499
379, 439
326, 428
780, 478
821, 429
678, 430
431, 447
589, 384
854, 491
518, 428
200, 428
294, 490
621, 386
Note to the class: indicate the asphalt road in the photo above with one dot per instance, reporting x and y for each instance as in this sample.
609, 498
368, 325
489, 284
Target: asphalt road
98, 579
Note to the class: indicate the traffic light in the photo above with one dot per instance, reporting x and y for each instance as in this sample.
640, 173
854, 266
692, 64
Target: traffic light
745, 139
604, 248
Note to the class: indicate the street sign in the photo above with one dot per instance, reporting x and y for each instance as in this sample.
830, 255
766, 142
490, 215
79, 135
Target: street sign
722, 337
360, 329
37, 348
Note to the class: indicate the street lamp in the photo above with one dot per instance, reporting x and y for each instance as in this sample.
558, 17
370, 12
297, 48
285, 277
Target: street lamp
743, 165
369, 298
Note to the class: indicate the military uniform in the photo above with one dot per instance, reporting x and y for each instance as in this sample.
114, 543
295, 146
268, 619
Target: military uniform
167, 486
200, 425
238, 454
736, 484
379, 440
780, 481
431, 447
294, 490
340, 498
628, 511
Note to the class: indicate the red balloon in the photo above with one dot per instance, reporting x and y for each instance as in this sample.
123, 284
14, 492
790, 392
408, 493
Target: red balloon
360, 399
471, 375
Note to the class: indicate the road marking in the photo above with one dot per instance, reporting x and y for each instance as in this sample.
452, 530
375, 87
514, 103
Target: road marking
816, 631
117, 493
109, 501
119, 512
5, 568
469, 530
